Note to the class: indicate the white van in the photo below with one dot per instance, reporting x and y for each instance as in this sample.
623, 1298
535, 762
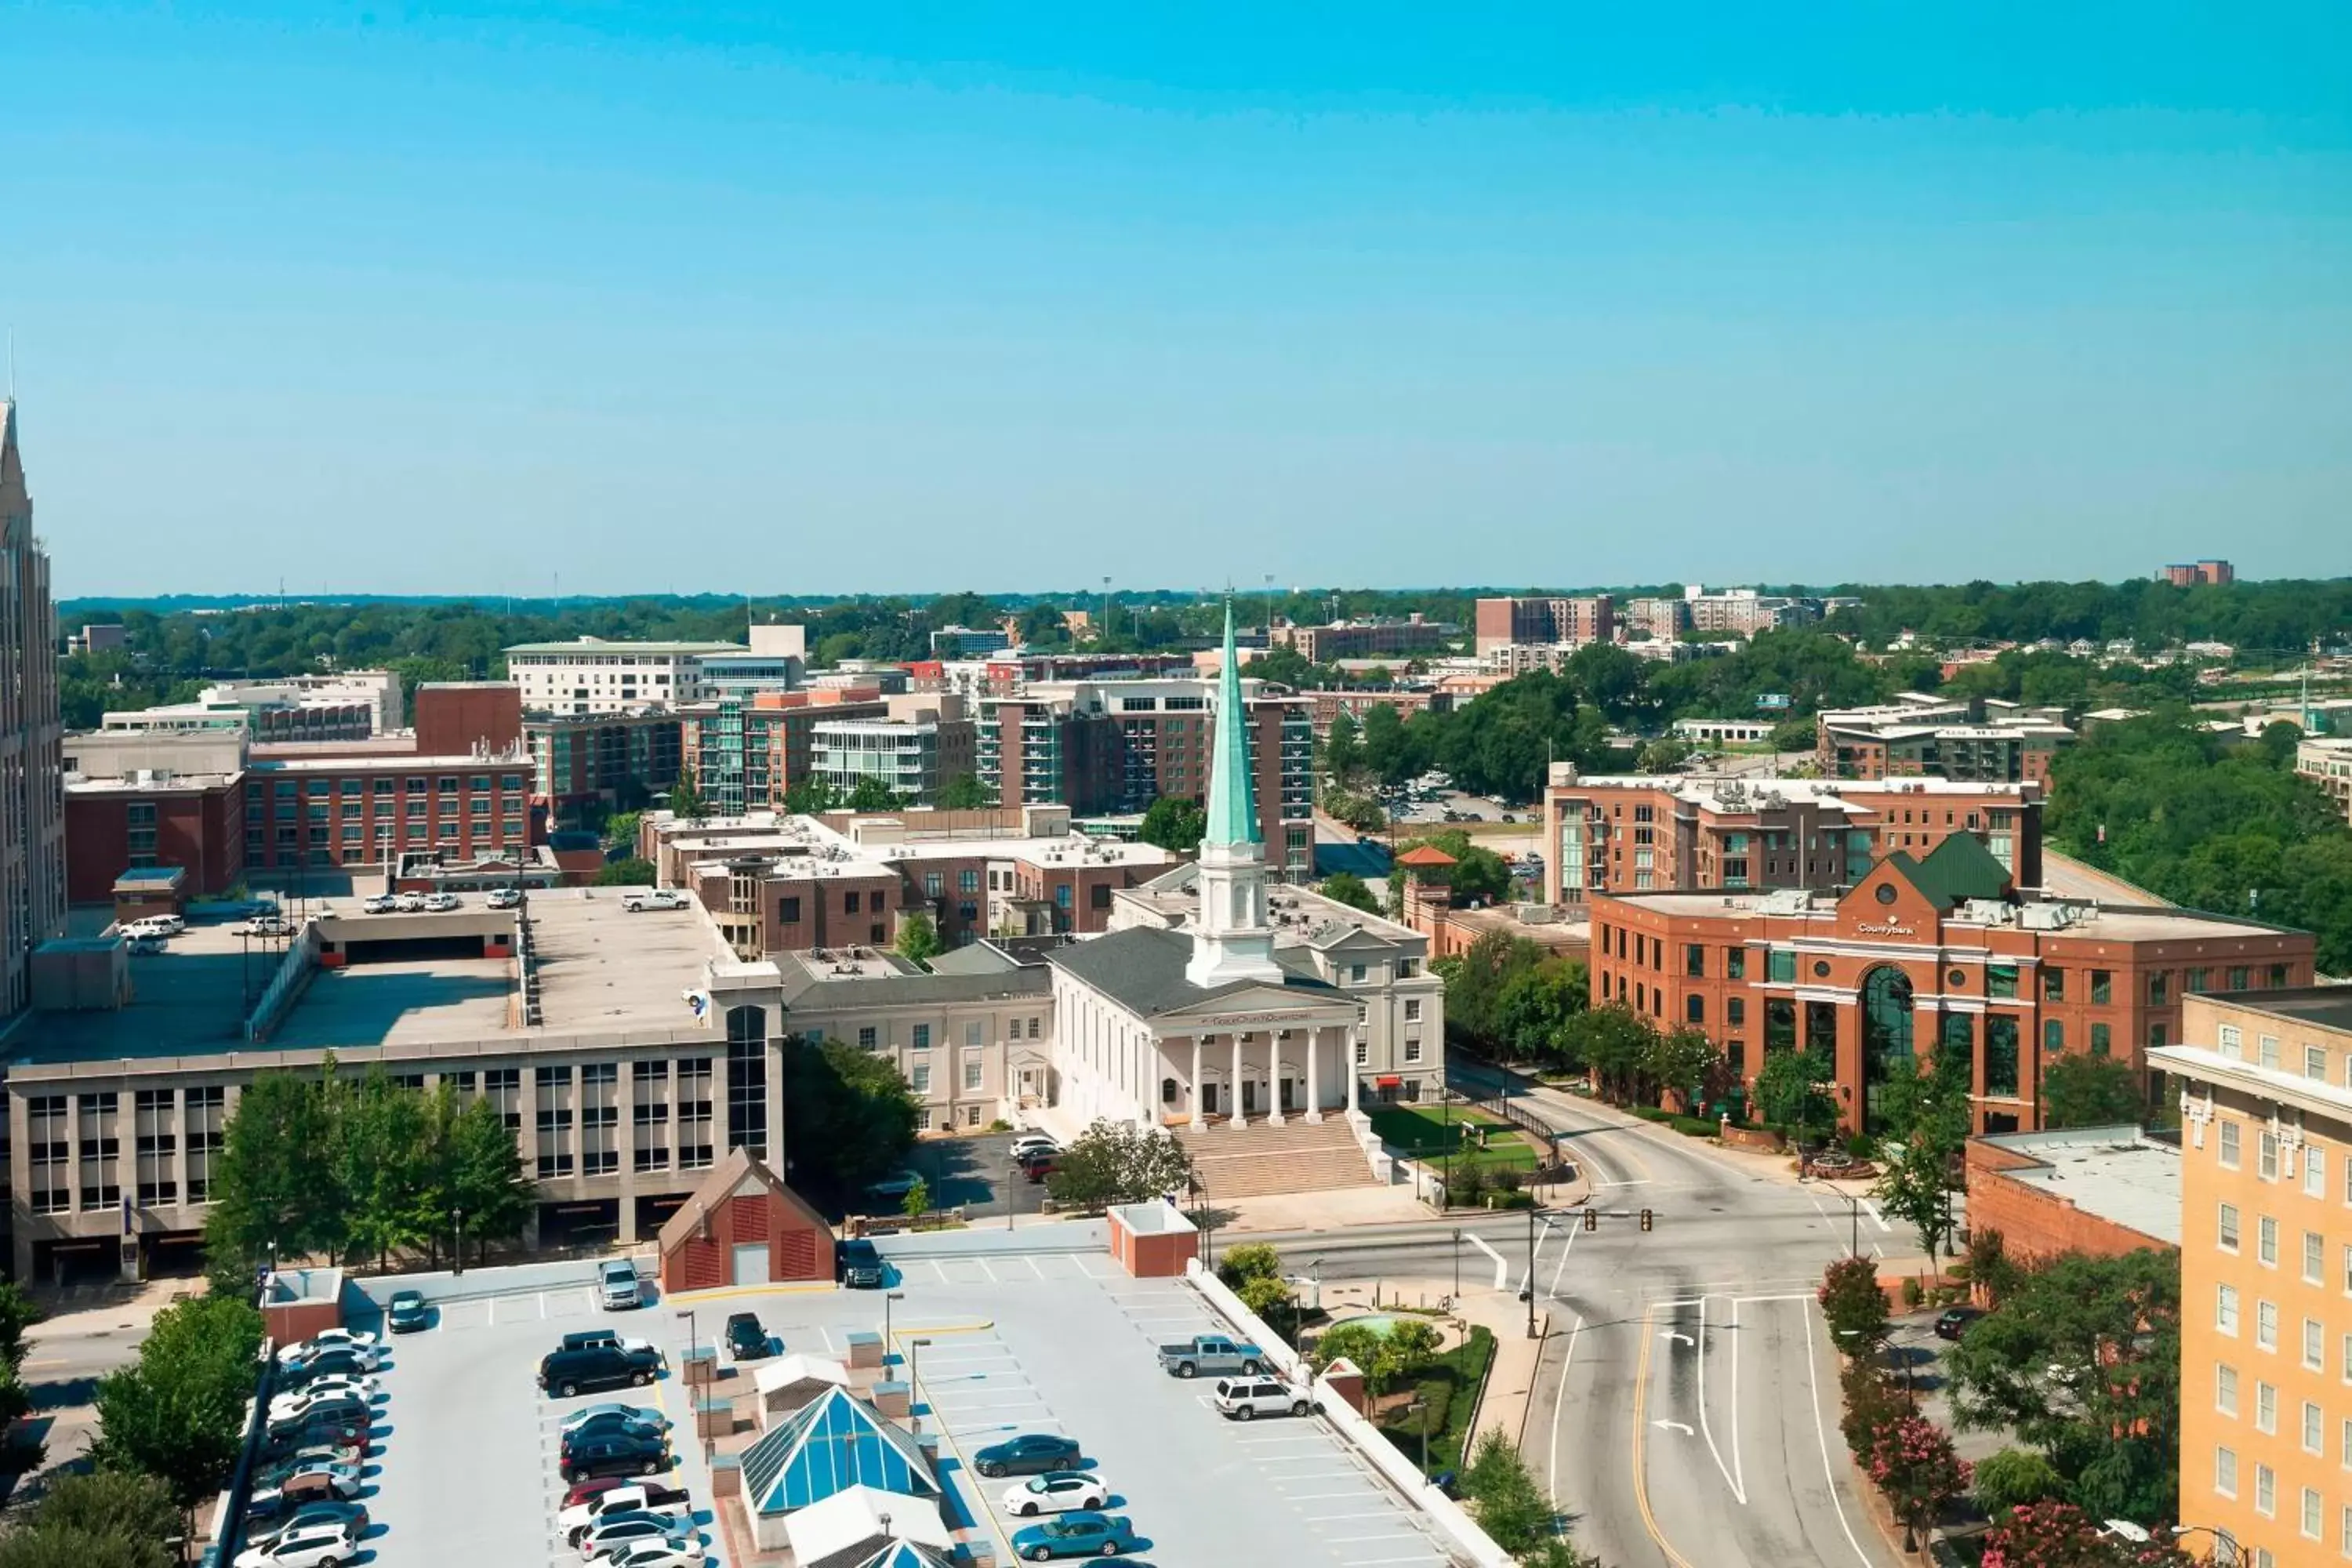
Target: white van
617, 1286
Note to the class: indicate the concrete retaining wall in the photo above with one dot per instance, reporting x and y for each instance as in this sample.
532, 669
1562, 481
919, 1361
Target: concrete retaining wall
505, 1280
996, 1241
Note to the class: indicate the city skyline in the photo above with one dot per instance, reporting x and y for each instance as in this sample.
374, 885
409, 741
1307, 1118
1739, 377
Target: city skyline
1854, 299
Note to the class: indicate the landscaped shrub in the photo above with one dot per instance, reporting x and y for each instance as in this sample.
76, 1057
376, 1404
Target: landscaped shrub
1873, 1402
1692, 1127
1651, 1113
1912, 1291
2014, 1477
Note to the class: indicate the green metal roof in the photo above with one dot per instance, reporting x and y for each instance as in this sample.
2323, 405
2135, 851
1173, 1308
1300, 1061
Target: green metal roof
1958, 868
1233, 802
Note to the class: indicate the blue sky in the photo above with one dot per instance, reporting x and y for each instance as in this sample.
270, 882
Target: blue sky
799, 300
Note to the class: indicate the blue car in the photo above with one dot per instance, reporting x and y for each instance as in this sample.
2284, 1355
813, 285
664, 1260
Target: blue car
1076, 1535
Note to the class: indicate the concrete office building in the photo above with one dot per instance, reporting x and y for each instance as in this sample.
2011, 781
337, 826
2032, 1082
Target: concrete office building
31, 814
594, 676
1942, 948
2328, 762
1634, 832
2265, 1086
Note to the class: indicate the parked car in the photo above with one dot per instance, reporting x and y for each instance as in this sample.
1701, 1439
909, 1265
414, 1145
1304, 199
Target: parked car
441, 903
312, 1380
564, 1373
618, 1454
642, 1496
330, 1361
613, 1423
858, 1263
334, 1407
504, 898
301, 1444
1031, 1453
1247, 1398
646, 899
658, 1553
747, 1337
642, 1414
310, 1516
1027, 1142
407, 1312
381, 904
342, 1430
617, 1285
1040, 1163
1210, 1352
624, 1529
145, 945
1056, 1491
156, 925
326, 1394
1954, 1322
409, 903
319, 1546
267, 925
1076, 1535
331, 1338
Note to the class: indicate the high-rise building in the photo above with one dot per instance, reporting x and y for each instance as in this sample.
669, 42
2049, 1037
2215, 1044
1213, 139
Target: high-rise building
32, 758
1503, 621
2266, 1084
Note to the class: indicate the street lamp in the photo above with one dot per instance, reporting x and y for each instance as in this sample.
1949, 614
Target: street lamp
2224, 1541
1457, 1266
915, 1382
457, 1247
888, 1297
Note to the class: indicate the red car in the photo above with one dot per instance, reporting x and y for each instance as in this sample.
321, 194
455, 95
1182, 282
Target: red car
594, 1486
1040, 1164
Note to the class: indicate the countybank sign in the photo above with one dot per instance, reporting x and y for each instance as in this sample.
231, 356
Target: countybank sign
1868, 928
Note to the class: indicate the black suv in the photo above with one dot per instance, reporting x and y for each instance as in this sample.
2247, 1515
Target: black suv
857, 1263
747, 1340
566, 1373
616, 1453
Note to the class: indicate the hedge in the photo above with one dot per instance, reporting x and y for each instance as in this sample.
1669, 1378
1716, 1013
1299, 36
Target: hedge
1692, 1127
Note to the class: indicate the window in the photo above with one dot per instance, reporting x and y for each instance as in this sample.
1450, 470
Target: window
2102, 987
968, 881
2053, 1036
2230, 1041
2265, 1490
2053, 986
2000, 980
1413, 1010
2225, 1388
2228, 1153
2228, 1233
747, 1079
1412, 1050
1695, 1009
918, 1077
1781, 968
2157, 988
2000, 1056
1694, 961
2102, 1040
2267, 1244
972, 1070
2270, 1053
2315, 1255
2225, 1471
1735, 963
2310, 1513
2266, 1157
2314, 1063
2314, 1354
2266, 1325
1355, 974
1735, 1011
2314, 1436
2315, 1173
2225, 1310
2239, 977
922, 1037
849, 902
1363, 1053
2265, 1407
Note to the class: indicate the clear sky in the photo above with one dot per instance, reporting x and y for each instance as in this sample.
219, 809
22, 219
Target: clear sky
804, 299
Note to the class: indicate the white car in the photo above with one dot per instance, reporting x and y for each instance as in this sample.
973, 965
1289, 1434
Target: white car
670, 1503
156, 925
1036, 1141
331, 1339
654, 899
144, 943
294, 1406
317, 1546
607, 1534
361, 1387
653, 1554
410, 903
1247, 1398
1056, 1491
440, 903
381, 904
505, 898
267, 925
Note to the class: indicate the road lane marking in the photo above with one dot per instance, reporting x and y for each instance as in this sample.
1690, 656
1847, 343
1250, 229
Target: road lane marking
1640, 1440
1558, 1404
1821, 1431
1707, 1427
1568, 1247
1502, 1269
1871, 1209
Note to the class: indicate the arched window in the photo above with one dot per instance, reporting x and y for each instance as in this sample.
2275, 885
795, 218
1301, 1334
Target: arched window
1167, 1091
1885, 1035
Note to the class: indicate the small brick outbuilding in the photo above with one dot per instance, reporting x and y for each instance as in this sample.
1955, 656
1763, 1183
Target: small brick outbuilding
744, 1226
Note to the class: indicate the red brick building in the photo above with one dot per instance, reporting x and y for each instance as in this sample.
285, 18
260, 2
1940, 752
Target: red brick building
454, 717
1503, 622
744, 1226
2102, 1191
1922, 950
193, 822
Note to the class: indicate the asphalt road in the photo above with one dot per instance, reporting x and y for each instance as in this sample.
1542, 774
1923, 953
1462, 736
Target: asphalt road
1684, 1412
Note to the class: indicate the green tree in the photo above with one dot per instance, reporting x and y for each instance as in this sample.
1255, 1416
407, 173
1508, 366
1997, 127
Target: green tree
918, 1202
1365, 1348
621, 828
274, 1182
1343, 748
631, 872
2082, 1359
686, 802
1912, 1460
964, 791
17, 1313
1852, 1302
1614, 1041
869, 794
1119, 1162
810, 796
1347, 887
849, 1117
1532, 1011
1251, 1260
1175, 824
1917, 1167
1504, 1497
2090, 1091
1475, 983
177, 1413
1789, 1093
481, 1173
1683, 1060
1661, 757
2013, 1477
111, 1518
919, 938
2061, 1535
379, 1165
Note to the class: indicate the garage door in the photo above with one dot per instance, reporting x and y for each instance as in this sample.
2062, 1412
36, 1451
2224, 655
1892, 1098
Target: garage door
751, 1263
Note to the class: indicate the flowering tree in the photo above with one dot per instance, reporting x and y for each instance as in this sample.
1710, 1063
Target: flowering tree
1913, 1462
2060, 1535
1852, 1302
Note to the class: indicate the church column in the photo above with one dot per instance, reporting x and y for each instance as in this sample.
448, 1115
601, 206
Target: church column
1315, 1074
1348, 1064
1274, 1117
1234, 1086
1198, 1121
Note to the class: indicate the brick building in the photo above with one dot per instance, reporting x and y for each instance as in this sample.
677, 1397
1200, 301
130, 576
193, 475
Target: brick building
1326, 706
195, 822
1636, 833
32, 815
2190, 574
1502, 622
2101, 1191
746, 755
1919, 950
583, 764
1364, 640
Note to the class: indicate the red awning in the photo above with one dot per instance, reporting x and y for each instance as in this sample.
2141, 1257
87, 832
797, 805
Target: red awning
1388, 1083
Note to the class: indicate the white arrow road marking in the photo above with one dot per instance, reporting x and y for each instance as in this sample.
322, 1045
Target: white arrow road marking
1673, 1334
1502, 1269
1672, 1426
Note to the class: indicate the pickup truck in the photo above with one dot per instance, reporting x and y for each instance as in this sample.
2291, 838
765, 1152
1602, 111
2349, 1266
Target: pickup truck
658, 898
639, 1497
1210, 1353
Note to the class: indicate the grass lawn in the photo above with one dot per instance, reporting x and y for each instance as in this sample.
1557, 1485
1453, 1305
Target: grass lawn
1426, 1134
1449, 1387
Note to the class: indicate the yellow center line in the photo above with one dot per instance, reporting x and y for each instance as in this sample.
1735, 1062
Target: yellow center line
1640, 1437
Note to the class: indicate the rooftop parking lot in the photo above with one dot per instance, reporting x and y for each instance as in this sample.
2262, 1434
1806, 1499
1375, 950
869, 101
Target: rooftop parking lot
1016, 1343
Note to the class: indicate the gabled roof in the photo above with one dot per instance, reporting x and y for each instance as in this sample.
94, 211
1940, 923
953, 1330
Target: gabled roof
833, 1442
1957, 869
1142, 968
846, 1528
726, 1179
786, 1371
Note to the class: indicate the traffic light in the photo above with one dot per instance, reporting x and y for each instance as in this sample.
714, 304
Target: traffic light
1646, 1219
1592, 1219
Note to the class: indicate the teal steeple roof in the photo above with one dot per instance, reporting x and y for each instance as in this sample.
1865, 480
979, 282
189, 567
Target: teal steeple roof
1232, 803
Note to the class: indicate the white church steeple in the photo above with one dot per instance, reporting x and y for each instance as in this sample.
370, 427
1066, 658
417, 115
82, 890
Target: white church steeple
1233, 939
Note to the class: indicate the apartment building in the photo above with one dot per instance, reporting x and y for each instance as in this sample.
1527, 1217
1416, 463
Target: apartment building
32, 814
1919, 736
1011, 673
2266, 1086
966, 642
1942, 948
1746, 611
2328, 762
913, 755
585, 763
1659, 619
1111, 747
1500, 623
1636, 833
354, 811
115, 824
1323, 707
746, 755
2190, 573
1364, 640
594, 676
